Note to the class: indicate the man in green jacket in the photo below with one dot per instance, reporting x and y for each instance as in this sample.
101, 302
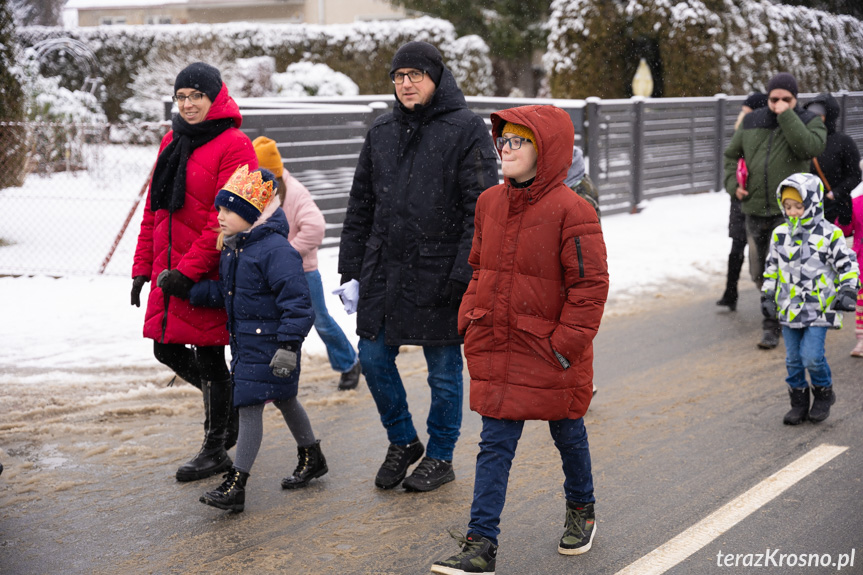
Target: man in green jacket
775, 142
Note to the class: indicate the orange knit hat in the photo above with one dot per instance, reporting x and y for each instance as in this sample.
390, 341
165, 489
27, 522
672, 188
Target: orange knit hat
519, 130
268, 155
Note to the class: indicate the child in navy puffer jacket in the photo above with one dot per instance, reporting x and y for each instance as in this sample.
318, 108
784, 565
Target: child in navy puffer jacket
263, 288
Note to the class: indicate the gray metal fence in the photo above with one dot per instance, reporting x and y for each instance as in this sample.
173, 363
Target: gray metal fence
636, 150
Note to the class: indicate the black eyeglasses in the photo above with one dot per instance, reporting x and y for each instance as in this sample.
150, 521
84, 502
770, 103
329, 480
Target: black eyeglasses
786, 99
514, 142
194, 97
415, 76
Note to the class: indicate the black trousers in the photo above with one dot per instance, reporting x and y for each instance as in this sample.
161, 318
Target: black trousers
759, 230
196, 364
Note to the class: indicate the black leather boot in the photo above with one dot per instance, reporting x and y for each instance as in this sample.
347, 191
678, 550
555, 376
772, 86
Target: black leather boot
231, 494
823, 398
799, 406
233, 430
729, 298
212, 458
311, 464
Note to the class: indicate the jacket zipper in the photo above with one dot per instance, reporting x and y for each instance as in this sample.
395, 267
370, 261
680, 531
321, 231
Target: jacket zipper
767, 174
164, 295
580, 259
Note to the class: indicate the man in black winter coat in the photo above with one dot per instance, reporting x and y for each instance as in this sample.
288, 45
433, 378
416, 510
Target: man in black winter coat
839, 163
406, 238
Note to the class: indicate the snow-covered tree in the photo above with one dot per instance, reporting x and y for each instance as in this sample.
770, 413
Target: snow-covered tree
12, 153
37, 12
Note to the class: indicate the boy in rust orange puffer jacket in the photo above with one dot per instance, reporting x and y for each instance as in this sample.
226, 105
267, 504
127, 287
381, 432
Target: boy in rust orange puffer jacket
529, 316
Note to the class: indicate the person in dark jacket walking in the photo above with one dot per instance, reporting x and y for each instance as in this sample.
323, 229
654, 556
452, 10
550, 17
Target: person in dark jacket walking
736, 219
529, 317
177, 247
406, 238
775, 142
264, 290
838, 165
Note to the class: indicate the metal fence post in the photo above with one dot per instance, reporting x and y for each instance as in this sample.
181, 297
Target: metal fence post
637, 163
593, 130
719, 142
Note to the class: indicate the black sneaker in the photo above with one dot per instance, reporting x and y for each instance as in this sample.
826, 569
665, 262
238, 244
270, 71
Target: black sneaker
395, 466
580, 527
429, 475
478, 555
351, 378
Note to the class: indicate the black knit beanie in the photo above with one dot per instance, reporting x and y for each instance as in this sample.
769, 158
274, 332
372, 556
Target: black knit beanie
201, 77
419, 55
782, 81
755, 100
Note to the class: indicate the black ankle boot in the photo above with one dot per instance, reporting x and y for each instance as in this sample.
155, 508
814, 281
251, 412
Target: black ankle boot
823, 398
311, 464
799, 406
729, 298
212, 458
231, 494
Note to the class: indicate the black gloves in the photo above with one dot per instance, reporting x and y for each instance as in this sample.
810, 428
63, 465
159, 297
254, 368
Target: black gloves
846, 300
453, 292
174, 283
285, 359
768, 307
137, 284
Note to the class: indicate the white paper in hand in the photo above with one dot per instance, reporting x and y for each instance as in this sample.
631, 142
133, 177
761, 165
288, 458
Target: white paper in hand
349, 293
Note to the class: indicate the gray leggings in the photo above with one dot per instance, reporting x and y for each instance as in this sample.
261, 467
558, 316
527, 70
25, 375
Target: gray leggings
252, 430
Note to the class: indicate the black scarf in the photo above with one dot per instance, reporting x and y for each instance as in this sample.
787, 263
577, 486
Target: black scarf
169, 177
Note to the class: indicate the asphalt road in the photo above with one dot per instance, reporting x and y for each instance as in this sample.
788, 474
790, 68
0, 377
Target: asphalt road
688, 418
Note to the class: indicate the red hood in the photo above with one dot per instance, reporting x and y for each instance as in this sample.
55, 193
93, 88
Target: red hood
225, 107
554, 134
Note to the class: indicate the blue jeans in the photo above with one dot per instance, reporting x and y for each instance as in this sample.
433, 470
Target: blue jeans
498, 440
804, 349
445, 366
339, 349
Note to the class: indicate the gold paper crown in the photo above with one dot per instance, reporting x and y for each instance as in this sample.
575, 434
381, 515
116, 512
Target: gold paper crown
251, 187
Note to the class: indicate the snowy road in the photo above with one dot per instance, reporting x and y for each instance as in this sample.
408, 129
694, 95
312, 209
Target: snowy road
688, 417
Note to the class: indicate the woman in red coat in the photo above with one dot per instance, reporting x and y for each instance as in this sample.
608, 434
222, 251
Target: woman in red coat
529, 316
177, 248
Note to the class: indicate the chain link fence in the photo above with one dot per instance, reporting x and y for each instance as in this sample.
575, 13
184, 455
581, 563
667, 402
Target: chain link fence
71, 196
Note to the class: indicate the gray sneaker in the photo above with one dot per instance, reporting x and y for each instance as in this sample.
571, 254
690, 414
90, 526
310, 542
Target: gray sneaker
478, 555
580, 527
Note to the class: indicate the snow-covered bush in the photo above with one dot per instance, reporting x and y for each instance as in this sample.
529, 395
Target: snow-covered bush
254, 76
733, 49
360, 50
46, 100
308, 79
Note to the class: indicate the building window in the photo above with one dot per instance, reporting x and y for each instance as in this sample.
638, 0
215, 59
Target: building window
112, 20
158, 19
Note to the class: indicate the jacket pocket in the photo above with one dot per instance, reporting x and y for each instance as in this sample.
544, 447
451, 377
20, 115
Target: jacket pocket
580, 257
257, 340
434, 265
372, 273
535, 334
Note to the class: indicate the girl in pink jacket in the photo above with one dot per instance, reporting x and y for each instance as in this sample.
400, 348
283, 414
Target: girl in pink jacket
307, 229
855, 228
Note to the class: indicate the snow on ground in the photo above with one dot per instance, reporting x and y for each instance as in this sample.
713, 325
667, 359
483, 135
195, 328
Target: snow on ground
53, 326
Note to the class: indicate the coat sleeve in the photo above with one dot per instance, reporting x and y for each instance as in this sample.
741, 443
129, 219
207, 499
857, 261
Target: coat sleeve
143, 260
311, 226
850, 165
207, 293
732, 154
357, 226
771, 269
477, 172
468, 301
805, 140
283, 269
585, 267
844, 262
202, 258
